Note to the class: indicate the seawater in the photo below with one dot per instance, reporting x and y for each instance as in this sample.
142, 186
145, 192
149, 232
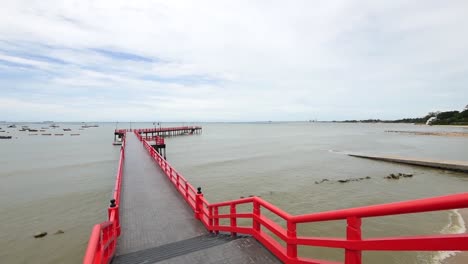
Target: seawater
65, 182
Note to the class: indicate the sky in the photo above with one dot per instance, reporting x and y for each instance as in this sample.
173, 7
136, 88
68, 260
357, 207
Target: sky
236, 60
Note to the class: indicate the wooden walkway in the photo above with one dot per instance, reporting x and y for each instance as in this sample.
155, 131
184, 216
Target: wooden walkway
159, 227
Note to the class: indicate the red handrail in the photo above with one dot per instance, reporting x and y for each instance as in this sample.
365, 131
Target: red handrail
103, 239
161, 129
353, 244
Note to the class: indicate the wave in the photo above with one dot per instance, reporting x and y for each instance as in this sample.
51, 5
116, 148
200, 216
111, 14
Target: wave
456, 225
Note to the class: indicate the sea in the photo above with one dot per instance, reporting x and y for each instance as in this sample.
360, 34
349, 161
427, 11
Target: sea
64, 182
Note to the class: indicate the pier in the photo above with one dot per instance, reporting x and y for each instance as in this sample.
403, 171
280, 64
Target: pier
438, 164
157, 216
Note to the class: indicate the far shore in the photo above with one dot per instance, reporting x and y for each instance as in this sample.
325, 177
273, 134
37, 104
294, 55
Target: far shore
427, 133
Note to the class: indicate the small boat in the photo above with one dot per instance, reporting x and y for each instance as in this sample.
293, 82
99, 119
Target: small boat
54, 126
11, 126
5, 137
67, 129
59, 134
2, 130
42, 130
74, 134
32, 130
47, 134
88, 126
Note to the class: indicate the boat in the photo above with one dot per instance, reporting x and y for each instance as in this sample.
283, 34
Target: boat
54, 126
47, 134
88, 126
74, 134
5, 137
32, 130
11, 126
59, 134
67, 129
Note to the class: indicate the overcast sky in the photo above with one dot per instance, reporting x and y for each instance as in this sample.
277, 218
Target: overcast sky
231, 60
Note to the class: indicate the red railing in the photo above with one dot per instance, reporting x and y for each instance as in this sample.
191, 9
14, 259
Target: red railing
209, 214
103, 239
161, 129
159, 140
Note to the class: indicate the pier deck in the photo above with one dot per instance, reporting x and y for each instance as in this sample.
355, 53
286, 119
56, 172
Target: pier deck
157, 226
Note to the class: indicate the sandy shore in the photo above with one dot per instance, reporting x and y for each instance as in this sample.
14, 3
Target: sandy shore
443, 134
462, 257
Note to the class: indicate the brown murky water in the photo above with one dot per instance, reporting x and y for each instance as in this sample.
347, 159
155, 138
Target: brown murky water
63, 182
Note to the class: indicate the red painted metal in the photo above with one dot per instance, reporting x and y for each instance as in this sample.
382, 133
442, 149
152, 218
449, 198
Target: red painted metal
157, 130
103, 240
208, 214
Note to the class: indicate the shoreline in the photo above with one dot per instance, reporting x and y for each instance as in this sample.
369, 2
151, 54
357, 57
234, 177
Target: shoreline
426, 133
459, 257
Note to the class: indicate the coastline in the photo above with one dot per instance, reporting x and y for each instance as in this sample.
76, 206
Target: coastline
427, 133
459, 257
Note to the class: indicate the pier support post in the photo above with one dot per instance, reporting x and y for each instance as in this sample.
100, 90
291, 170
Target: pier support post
353, 232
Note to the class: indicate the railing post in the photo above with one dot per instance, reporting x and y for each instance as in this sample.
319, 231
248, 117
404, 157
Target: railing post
178, 182
256, 216
216, 219
198, 203
186, 191
233, 219
353, 232
210, 218
291, 245
115, 208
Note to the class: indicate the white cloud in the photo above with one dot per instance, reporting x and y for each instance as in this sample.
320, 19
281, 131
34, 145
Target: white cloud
244, 60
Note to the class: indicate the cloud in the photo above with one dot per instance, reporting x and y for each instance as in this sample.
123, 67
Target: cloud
232, 60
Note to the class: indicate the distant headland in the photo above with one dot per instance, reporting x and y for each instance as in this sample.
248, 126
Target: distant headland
455, 117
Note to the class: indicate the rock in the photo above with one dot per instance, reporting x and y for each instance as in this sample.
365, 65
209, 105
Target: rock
60, 231
368, 177
324, 180
407, 175
343, 181
316, 182
242, 197
40, 234
251, 195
